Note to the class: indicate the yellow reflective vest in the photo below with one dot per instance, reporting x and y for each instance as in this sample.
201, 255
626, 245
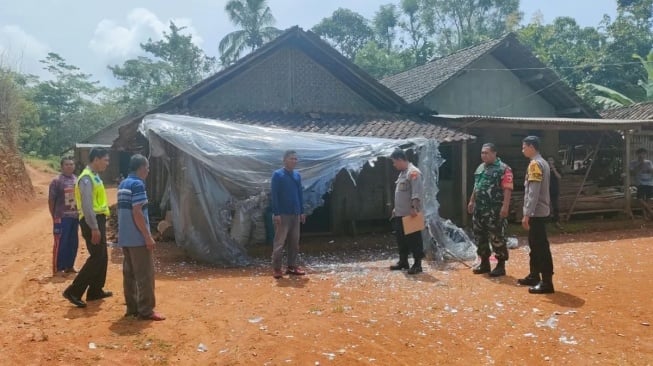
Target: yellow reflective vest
100, 202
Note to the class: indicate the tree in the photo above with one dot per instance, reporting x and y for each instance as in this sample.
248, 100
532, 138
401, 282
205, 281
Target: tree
461, 23
610, 98
175, 64
574, 52
420, 47
630, 32
385, 22
255, 19
346, 31
380, 62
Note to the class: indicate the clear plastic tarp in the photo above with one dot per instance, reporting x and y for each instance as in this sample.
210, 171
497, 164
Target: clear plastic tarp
219, 179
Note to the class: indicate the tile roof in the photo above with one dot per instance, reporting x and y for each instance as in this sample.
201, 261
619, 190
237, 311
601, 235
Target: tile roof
388, 125
392, 126
638, 111
414, 84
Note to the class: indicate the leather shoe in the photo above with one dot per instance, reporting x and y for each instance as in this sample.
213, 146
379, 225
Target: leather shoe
99, 296
154, 316
542, 288
74, 299
399, 266
529, 280
415, 269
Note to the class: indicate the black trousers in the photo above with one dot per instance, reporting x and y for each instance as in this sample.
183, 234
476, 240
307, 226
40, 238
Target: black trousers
93, 274
540, 256
555, 208
411, 243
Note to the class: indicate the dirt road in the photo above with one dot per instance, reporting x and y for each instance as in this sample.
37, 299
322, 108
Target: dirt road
348, 311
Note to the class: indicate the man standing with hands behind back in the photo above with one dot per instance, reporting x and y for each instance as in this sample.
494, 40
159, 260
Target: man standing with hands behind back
490, 206
287, 213
536, 213
93, 208
136, 241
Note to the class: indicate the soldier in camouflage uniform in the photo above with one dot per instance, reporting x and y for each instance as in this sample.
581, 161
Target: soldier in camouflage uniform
489, 205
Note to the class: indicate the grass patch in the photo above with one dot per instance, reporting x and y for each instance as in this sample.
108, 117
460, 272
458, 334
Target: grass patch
45, 165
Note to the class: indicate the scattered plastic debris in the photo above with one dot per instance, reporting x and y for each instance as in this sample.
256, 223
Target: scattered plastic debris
201, 348
552, 323
330, 356
255, 320
530, 335
513, 243
92, 345
570, 340
491, 316
646, 324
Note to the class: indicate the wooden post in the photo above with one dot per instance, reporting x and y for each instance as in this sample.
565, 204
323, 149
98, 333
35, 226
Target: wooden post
587, 173
463, 180
628, 209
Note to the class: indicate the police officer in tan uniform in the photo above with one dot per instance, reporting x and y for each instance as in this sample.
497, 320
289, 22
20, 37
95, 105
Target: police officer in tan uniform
408, 202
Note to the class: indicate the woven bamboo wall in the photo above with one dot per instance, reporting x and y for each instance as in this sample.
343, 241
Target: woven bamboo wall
286, 81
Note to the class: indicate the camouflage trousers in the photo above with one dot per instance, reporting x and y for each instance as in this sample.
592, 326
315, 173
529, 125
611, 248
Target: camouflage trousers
490, 232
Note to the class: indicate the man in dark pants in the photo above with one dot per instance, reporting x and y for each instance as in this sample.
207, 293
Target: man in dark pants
287, 214
93, 210
536, 214
408, 195
490, 205
137, 243
642, 169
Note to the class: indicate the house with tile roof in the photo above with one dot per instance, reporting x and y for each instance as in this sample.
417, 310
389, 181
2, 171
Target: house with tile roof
300, 83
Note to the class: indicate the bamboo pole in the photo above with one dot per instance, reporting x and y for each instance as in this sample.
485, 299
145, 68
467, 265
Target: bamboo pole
587, 173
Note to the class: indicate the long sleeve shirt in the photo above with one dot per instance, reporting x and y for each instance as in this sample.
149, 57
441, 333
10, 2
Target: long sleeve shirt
537, 200
287, 193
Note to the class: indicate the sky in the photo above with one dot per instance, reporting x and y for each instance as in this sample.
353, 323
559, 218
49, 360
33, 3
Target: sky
94, 34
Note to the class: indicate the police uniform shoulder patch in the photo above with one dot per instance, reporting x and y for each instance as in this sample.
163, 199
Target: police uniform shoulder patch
414, 175
534, 173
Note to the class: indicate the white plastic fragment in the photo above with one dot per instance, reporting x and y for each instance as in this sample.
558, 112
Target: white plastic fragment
201, 348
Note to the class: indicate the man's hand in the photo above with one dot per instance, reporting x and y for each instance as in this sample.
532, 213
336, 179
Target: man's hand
302, 218
413, 212
505, 210
470, 207
96, 236
276, 219
524, 223
149, 242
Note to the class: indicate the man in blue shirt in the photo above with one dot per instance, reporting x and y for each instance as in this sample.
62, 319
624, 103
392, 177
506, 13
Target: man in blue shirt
288, 213
136, 241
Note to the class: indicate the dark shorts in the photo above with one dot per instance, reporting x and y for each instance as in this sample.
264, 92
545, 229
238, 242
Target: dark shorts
644, 192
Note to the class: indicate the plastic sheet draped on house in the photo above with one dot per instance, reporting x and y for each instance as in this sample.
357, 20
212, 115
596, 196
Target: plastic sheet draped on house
219, 178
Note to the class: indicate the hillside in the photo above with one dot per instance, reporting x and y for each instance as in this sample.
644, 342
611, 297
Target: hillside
15, 183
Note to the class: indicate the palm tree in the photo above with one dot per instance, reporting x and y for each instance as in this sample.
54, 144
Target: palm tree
256, 28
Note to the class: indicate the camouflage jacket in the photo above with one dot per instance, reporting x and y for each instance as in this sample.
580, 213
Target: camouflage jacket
489, 182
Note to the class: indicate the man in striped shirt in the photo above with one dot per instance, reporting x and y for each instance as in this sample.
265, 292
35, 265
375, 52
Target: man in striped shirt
136, 241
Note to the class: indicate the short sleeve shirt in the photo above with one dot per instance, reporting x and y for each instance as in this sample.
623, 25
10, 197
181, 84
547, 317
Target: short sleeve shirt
409, 186
131, 192
62, 192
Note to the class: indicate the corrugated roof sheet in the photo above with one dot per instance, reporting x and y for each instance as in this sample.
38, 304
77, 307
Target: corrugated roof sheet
535, 122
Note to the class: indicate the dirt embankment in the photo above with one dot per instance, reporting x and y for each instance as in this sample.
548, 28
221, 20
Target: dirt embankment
15, 183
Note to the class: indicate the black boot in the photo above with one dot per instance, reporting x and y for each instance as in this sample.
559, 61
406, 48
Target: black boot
416, 268
532, 279
543, 287
402, 264
499, 270
483, 267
